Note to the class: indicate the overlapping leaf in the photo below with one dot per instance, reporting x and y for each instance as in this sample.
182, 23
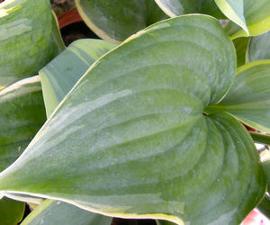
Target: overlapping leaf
252, 17
117, 20
132, 139
11, 212
259, 47
22, 113
55, 212
249, 98
29, 38
61, 74
179, 7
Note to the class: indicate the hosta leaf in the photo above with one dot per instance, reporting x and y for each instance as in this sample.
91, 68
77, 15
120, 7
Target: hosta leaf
55, 212
253, 17
259, 47
22, 113
60, 75
117, 20
29, 38
11, 212
179, 7
234, 10
132, 139
257, 18
249, 98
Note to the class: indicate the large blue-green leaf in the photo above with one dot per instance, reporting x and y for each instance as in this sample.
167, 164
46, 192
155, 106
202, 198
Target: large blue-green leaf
179, 7
11, 212
133, 138
29, 38
22, 113
249, 98
259, 47
59, 213
117, 20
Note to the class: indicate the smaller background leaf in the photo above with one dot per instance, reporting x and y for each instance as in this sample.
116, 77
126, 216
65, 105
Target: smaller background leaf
249, 97
22, 113
11, 212
59, 76
259, 47
59, 213
117, 20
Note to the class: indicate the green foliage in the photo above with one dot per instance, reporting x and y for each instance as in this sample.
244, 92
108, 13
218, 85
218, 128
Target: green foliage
55, 212
117, 23
19, 29
11, 212
151, 128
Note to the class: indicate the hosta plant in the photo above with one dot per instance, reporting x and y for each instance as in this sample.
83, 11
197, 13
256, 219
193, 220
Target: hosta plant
152, 127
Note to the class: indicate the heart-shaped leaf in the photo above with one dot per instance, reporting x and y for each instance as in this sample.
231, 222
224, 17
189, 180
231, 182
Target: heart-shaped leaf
58, 77
179, 7
132, 139
249, 98
11, 212
29, 38
259, 47
55, 212
22, 113
117, 20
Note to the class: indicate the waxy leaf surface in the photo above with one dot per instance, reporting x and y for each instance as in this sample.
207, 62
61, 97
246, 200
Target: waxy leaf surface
133, 138
117, 20
61, 74
59, 213
29, 38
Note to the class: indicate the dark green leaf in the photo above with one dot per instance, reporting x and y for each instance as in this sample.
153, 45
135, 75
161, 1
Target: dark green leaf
117, 20
260, 138
59, 213
29, 38
264, 206
22, 113
131, 139
249, 98
60, 75
259, 47
241, 45
11, 212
